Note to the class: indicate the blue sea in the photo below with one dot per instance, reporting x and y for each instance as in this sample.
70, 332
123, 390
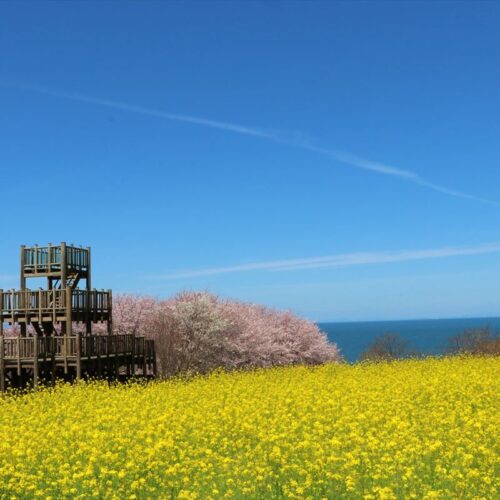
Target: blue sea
428, 336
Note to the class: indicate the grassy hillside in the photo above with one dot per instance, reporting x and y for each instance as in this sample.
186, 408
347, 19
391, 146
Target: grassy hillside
408, 429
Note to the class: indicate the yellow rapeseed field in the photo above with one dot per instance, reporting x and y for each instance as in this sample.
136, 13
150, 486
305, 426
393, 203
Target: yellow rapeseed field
409, 429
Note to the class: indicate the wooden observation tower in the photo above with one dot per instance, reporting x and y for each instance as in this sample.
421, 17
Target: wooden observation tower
55, 324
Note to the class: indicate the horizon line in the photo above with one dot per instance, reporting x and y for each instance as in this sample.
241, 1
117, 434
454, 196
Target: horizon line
420, 318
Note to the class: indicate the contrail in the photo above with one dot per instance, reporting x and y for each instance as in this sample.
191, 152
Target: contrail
76, 96
290, 139
381, 168
340, 260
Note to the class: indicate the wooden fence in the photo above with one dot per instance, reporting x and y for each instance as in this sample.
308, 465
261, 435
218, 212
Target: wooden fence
54, 302
75, 346
80, 355
50, 258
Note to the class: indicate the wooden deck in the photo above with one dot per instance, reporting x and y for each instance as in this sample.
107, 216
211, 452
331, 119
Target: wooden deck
30, 306
77, 356
50, 260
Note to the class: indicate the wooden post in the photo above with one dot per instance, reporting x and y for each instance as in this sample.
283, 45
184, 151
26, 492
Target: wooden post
98, 349
18, 339
35, 361
69, 311
22, 276
64, 264
88, 287
117, 362
45, 349
78, 356
2, 362
106, 355
65, 345
41, 297
49, 263
89, 277
66, 326
110, 311
53, 359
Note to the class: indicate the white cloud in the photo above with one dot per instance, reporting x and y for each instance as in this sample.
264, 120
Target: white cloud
340, 260
293, 139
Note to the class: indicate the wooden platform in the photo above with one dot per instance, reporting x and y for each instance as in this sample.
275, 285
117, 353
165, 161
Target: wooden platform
40, 306
77, 356
51, 260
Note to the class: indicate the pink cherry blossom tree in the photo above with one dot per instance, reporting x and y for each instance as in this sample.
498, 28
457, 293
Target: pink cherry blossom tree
198, 332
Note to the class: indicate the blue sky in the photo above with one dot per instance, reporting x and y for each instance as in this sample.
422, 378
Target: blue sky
340, 159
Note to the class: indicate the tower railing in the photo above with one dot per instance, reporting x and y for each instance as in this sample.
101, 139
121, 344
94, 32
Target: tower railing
66, 346
15, 302
49, 258
27, 347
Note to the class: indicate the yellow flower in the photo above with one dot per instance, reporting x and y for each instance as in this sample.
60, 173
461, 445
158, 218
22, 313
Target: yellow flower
429, 427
